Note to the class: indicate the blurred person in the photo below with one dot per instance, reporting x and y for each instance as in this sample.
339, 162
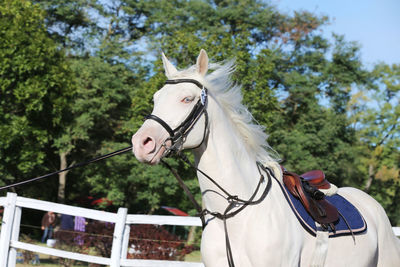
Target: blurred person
48, 224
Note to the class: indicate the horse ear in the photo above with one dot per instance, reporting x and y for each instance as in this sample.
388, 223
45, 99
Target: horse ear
202, 62
170, 70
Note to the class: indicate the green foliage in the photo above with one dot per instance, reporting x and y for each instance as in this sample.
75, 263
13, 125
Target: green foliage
100, 103
376, 116
312, 95
35, 89
319, 140
64, 18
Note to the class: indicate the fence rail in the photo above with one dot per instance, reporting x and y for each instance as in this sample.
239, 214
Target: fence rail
9, 236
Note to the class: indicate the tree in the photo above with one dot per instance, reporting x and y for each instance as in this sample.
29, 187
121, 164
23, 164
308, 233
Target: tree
376, 116
283, 66
100, 105
36, 87
296, 83
290, 84
314, 131
103, 74
68, 22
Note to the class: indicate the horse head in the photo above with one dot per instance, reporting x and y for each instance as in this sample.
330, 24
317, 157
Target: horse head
179, 117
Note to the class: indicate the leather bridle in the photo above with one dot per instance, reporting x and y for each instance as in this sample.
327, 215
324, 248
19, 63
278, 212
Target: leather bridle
178, 136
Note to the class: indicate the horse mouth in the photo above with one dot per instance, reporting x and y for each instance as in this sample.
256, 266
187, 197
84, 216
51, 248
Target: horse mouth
158, 155
153, 157
150, 145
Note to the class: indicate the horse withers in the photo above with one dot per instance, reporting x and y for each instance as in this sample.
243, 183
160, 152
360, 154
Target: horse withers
204, 112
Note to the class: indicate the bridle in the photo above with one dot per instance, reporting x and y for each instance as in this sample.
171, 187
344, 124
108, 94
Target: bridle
178, 136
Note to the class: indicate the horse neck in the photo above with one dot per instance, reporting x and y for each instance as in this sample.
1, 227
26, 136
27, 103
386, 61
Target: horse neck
224, 157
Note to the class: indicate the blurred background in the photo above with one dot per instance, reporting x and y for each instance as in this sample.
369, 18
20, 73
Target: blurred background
77, 78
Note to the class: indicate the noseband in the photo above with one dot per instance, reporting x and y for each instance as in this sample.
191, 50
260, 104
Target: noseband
178, 135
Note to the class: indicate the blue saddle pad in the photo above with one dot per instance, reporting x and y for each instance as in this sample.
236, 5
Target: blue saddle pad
353, 217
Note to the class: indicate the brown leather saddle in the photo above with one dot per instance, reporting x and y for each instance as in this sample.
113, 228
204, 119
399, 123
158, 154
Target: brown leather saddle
306, 187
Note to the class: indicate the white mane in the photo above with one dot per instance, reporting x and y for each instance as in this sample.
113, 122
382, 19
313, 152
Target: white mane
229, 95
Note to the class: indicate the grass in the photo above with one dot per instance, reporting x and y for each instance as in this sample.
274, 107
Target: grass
52, 261
49, 261
195, 256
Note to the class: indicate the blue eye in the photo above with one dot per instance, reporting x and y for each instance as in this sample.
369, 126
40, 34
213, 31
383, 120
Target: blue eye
187, 99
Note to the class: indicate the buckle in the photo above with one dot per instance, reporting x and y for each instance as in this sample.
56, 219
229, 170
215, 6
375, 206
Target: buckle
203, 96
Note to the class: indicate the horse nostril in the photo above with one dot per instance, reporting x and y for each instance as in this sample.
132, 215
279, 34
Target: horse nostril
146, 141
148, 144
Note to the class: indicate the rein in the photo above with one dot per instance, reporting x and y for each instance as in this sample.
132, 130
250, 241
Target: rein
109, 155
178, 137
234, 201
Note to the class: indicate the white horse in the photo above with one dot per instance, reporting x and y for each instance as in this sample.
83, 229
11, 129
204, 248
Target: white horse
226, 145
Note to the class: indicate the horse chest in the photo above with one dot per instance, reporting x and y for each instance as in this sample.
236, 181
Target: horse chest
254, 240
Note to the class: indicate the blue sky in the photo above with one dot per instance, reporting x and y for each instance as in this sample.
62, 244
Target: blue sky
374, 24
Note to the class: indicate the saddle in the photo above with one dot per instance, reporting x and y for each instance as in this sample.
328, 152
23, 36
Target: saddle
306, 187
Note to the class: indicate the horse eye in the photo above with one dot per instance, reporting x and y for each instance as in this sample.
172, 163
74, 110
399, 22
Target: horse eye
187, 99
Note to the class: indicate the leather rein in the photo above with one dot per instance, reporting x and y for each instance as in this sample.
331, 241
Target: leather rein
178, 137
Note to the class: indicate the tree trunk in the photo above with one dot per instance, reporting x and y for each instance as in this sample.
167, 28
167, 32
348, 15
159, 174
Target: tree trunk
371, 175
191, 235
62, 178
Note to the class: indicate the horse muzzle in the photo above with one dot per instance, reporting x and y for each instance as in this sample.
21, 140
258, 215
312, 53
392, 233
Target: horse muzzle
149, 144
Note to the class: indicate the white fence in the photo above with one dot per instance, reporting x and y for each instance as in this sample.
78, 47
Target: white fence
9, 238
9, 242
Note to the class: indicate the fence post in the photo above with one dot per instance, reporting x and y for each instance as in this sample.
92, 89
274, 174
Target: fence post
12, 256
6, 227
125, 241
117, 238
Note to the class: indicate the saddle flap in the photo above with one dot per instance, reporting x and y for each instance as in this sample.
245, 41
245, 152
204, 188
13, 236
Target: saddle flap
290, 183
320, 210
323, 211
